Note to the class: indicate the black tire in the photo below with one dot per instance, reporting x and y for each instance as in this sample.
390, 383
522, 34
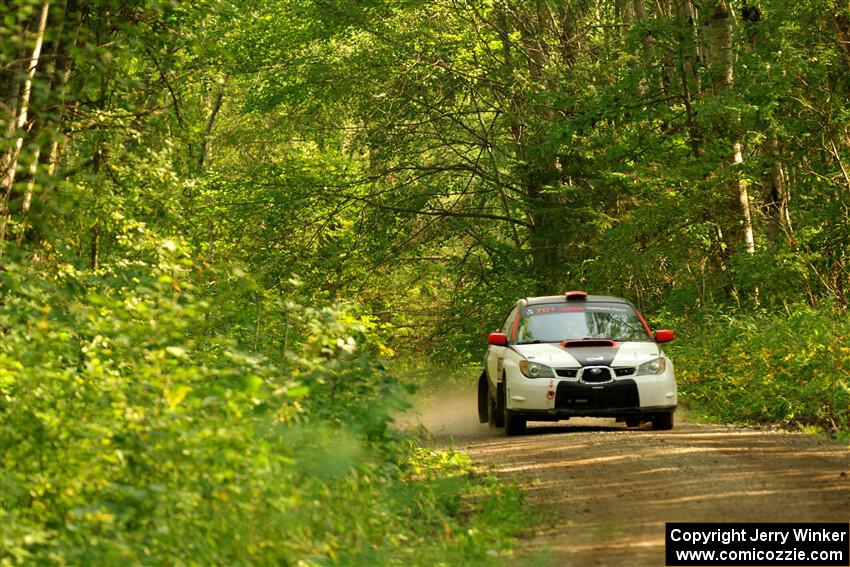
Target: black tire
632, 422
515, 424
662, 421
495, 413
483, 398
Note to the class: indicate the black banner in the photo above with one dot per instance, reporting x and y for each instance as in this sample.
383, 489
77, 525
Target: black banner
757, 544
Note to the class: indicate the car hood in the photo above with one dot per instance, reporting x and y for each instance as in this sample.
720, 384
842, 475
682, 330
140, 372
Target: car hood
622, 354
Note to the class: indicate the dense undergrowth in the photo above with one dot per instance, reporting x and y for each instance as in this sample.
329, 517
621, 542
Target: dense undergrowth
791, 370
134, 430
426, 164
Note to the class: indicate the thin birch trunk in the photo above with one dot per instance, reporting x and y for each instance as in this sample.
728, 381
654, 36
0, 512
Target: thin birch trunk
94, 249
744, 200
63, 58
687, 57
841, 22
639, 11
32, 171
719, 31
625, 13
11, 162
775, 193
208, 127
12, 93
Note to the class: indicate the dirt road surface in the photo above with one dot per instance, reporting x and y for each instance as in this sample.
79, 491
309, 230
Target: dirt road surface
605, 492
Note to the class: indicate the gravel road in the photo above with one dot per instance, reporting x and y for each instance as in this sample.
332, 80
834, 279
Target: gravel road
605, 492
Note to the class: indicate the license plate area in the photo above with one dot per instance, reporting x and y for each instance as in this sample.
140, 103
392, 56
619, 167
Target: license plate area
615, 395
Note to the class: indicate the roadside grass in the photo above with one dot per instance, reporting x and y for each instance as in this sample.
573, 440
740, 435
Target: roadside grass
491, 515
448, 511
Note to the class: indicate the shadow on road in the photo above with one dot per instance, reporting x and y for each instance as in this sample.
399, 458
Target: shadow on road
606, 491
587, 425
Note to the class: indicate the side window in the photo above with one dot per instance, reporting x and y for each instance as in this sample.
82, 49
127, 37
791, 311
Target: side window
509, 324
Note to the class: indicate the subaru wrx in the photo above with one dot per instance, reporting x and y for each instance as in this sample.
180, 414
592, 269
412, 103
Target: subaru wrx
563, 356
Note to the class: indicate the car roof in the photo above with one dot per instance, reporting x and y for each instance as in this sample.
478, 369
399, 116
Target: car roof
563, 299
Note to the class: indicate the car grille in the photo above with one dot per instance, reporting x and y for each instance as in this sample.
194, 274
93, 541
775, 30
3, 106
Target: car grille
624, 371
566, 372
622, 394
596, 374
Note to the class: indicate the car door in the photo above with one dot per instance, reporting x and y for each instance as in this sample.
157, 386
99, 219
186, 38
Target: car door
495, 354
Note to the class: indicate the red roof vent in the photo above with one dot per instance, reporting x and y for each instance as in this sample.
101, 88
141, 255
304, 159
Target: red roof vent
575, 295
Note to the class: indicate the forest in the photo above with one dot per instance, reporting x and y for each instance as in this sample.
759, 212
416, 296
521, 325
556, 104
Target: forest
235, 236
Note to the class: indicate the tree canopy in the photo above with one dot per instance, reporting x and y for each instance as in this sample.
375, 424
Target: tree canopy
192, 189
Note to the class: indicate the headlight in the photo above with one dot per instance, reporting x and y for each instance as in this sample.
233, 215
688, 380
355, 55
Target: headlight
534, 370
656, 366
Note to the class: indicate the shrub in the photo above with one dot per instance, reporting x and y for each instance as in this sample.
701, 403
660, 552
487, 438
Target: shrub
134, 430
789, 370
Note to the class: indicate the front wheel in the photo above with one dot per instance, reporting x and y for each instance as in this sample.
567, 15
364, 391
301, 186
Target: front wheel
662, 421
515, 424
483, 398
495, 415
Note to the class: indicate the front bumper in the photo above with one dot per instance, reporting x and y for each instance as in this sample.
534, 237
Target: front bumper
565, 413
558, 398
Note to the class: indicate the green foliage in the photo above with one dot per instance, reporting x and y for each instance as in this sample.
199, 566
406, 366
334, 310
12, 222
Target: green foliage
225, 213
791, 370
134, 431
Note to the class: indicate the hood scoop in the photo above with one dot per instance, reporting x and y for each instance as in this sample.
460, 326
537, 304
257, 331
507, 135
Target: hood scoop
589, 343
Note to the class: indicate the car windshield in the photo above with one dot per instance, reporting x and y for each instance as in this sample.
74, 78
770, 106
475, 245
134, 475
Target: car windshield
558, 322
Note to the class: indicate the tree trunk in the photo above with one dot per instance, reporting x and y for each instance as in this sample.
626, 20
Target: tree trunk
10, 83
540, 170
32, 171
775, 194
719, 26
688, 55
744, 200
719, 31
208, 127
10, 161
841, 22
58, 71
640, 17
94, 249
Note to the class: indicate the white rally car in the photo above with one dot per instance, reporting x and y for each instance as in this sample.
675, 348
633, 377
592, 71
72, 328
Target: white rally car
572, 355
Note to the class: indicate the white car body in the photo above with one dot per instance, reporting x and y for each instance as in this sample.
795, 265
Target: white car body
596, 377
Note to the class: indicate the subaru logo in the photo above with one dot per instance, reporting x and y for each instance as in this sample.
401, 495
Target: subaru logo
595, 371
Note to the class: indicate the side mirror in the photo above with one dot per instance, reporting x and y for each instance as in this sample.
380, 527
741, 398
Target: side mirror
664, 336
497, 339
